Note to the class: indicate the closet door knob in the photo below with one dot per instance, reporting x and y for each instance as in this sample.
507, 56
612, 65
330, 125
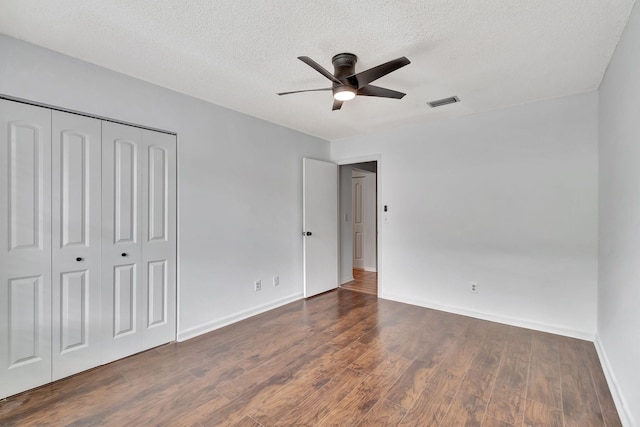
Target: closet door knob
124, 254
79, 259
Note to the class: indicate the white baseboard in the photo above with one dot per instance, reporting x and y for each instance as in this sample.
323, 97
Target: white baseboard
217, 324
371, 269
543, 327
618, 398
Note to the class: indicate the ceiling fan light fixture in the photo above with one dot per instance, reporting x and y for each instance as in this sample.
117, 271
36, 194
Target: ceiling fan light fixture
344, 93
347, 83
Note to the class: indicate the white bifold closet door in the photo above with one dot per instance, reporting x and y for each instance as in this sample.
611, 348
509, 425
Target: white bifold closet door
87, 243
25, 247
138, 239
76, 250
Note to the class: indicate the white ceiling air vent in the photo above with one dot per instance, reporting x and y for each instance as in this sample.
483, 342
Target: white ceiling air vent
444, 101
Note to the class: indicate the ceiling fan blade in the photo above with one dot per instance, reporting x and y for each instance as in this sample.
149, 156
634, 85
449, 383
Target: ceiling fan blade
371, 90
306, 90
313, 64
337, 105
363, 78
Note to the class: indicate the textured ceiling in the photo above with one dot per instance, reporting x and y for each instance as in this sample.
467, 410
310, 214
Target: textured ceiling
238, 54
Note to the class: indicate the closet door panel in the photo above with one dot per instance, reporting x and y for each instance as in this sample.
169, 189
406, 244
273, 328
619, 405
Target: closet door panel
159, 238
25, 247
76, 213
122, 285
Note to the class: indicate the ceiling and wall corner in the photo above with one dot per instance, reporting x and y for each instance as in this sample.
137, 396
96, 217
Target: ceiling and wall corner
492, 54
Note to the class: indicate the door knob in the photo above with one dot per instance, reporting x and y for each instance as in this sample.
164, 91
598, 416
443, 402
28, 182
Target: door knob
79, 259
124, 254
306, 233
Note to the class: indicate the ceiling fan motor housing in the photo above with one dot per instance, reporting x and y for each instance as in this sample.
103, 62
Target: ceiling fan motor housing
344, 65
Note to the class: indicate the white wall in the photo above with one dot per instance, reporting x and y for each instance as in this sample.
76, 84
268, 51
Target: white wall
507, 199
619, 239
239, 181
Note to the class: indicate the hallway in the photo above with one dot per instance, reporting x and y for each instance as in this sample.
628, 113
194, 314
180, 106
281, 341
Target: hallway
364, 281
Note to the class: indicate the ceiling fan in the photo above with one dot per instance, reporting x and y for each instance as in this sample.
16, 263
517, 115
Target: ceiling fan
347, 84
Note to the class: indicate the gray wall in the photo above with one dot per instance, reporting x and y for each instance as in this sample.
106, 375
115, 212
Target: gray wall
619, 222
239, 181
507, 199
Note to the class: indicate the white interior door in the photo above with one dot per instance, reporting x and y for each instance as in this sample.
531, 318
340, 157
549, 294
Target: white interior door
76, 233
159, 238
122, 290
357, 191
25, 247
320, 223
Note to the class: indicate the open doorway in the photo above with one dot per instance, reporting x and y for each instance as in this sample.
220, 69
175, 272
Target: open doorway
358, 227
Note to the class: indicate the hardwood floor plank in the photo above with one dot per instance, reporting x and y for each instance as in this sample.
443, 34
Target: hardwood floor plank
298, 389
359, 329
383, 413
459, 360
599, 380
254, 390
465, 410
139, 403
537, 414
319, 404
163, 407
69, 407
493, 422
506, 404
234, 387
364, 281
429, 409
412, 383
359, 402
446, 382
544, 373
514, 369
482, 373
247, 422
579, 400
369, 360
612, 419
341, 358
83, 386
415, 337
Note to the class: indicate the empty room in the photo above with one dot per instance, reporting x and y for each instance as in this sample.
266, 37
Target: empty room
288, 213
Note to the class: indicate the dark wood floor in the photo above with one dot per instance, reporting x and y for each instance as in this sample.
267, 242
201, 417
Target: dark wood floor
363, 281
342, 358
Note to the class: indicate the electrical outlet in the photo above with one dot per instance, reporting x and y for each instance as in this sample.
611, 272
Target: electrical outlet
474, 287
258, 285
276, 280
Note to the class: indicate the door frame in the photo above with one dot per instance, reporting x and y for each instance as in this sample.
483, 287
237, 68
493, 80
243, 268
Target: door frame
379, 198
